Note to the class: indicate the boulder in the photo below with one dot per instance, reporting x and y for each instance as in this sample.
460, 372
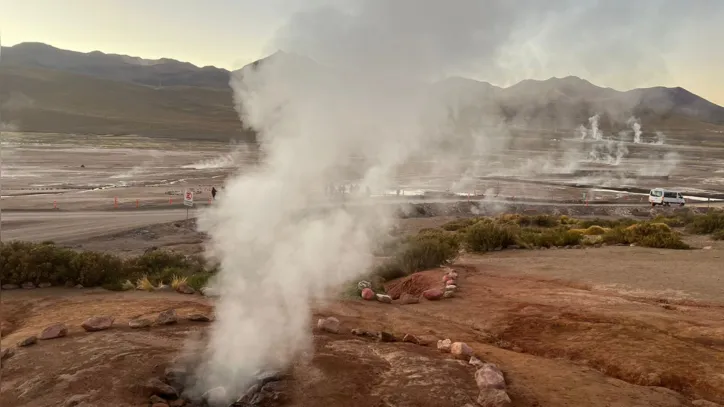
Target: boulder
450, 283
448, 294
446, 278
156, 387
383, 336
140, 323
368, 294
176, 376
461, 349
184, 288
433, 294
489, 376
410, 338
359, 332
706, 248
53, 331
363, 284
28, 285
155, 400
453, 275
79, 286
384, 298
451, 288
97, 323
44, 285
476, 362
444, 345
167, 317
163, 288
200, 318
30, 340
10, 287
330, 325
210, 292
406, 299
493, 398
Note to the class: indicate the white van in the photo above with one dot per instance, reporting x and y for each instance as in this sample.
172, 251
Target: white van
660, 196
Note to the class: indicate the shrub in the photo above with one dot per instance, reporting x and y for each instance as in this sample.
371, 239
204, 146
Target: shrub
718, 235
22, 262
606, 223
486, 236
549, 237
459, 224
704, 224
426, 250
655, 235
199, 280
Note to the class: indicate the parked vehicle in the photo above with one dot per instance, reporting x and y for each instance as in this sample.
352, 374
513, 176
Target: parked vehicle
660, 196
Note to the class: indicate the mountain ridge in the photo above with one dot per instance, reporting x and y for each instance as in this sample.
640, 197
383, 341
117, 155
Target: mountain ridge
155, 96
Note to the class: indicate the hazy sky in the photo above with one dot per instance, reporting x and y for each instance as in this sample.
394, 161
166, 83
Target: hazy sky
616, 43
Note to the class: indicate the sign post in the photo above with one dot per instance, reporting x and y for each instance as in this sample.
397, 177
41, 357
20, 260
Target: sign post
188, 201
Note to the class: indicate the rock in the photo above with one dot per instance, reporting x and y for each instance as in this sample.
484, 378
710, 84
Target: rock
6, 353
139, 323
99, 323
450, 283
330, 325
446, 278
53, 331
409, 338
76, 400
177, 403
461, 349
359, 332
453, 275
704, 403
167, 317
30, 340
69, 284
210, 292
384, 298
184, 288
476, 362
200, 318
216, 396
175, 376
448, 294
163, 288
433, 294
706, 248
493, 398
406, 299
157, 400
368, 294
249, 397
45, 285
10, 287
383, 336
78, 286
159, 405
452, 287
28, 285
156, 387
364, 284
489, 376
444, 345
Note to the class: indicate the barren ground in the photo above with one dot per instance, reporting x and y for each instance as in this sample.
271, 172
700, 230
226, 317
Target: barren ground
615, 326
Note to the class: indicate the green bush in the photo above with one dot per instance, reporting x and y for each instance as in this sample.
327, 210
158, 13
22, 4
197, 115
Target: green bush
549, 237
711, 222
487, 236
428, 249
718, 235
606, 223
649, 234
22, 262
459, 224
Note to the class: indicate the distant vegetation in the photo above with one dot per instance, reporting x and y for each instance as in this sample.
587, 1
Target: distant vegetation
431, 248
24, 262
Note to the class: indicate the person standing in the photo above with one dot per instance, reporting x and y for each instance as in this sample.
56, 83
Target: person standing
213, 193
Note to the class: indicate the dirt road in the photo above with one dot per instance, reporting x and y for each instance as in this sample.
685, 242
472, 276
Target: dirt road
71, 226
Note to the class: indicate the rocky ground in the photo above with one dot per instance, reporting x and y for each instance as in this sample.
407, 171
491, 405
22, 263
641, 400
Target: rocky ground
563, 335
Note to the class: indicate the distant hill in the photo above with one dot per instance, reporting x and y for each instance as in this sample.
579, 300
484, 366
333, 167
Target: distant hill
46, 89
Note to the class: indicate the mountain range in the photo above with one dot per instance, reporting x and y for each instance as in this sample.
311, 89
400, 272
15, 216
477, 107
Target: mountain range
46, 89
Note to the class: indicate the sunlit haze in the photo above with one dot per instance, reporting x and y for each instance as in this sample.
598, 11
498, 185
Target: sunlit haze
615, 43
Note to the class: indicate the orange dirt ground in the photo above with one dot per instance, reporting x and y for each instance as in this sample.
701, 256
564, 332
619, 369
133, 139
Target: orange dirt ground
561, 342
